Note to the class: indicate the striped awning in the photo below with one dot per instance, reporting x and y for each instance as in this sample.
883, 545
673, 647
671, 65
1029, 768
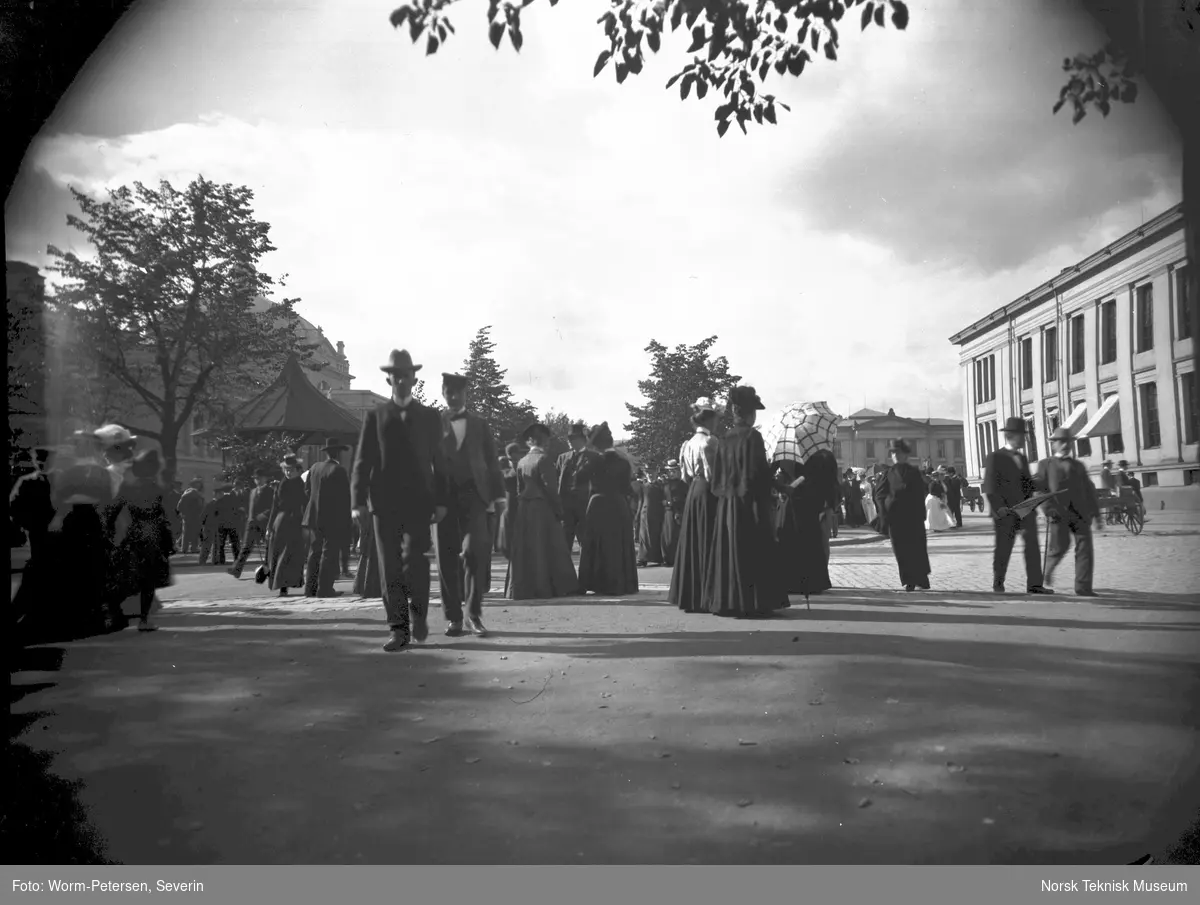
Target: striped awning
1105, 423
1076, 419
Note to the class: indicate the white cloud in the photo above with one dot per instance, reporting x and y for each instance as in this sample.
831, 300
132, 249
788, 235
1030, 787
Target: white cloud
416, 199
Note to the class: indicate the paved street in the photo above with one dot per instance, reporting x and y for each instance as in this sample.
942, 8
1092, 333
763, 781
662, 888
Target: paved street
950, 726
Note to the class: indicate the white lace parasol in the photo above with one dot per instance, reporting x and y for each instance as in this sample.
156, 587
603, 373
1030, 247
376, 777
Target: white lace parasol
799, 430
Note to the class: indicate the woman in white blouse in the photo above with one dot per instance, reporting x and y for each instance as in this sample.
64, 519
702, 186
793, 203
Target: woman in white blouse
699, 510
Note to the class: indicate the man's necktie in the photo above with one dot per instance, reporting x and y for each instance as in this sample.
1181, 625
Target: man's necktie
458, 416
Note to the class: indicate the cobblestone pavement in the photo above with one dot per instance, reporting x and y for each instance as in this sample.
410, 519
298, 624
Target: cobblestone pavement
950, 726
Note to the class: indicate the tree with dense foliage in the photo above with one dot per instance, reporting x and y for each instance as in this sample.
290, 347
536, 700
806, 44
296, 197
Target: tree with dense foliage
1158, 41
736, 43
245, 453
678, 377
26, 374
165, 302
490, 396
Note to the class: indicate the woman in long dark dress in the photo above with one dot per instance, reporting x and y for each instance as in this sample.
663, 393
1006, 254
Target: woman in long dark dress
607, 561
288, 550
900, 499
650, 523
508, 473
540, 565
68, 599
699, 511
743, 575
675, 496
798, 532
142, 560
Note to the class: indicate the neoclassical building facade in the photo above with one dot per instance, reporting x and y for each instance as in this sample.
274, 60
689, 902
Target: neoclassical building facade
1104, 348
863, 439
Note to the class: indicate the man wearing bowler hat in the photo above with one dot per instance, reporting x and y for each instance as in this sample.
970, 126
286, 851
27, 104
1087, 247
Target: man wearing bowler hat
574, 486
1007, 483
1069, 513
400, 479
464, 536
327, 518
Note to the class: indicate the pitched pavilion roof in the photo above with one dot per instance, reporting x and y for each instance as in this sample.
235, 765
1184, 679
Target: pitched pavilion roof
293, 404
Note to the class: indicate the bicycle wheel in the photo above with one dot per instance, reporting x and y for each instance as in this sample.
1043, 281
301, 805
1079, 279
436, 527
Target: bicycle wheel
1133, 521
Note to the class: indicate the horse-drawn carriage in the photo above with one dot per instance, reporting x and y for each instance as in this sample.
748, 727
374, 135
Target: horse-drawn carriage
972, 497
1123, 508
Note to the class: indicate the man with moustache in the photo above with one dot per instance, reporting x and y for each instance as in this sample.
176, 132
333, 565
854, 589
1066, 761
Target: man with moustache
1007, 483
574, 488
1069, 513
400, 481
464, 536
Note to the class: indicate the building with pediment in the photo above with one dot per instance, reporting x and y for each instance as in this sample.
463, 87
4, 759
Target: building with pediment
1105, 349
863, 438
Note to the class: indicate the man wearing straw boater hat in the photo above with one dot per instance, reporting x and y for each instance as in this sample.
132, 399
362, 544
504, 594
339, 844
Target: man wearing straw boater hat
574, 488
327, 518
400, 481
1008, 483
464, 536
1070, 512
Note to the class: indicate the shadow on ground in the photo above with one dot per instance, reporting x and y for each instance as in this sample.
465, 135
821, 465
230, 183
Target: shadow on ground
44, 821
238, 737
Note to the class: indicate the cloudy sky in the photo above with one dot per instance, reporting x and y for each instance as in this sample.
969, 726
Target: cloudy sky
920, 182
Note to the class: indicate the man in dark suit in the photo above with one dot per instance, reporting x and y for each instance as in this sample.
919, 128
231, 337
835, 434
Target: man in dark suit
464, 536
1071, 513
191, 508
953, 485
574, 489
1006, 483
259, 510
400, 479
327, 518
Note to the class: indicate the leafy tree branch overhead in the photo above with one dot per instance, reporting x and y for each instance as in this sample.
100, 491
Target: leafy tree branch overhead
736, 43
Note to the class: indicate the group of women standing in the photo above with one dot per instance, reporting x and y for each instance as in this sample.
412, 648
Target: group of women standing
751, 531
107, 539
658, 502
530, 532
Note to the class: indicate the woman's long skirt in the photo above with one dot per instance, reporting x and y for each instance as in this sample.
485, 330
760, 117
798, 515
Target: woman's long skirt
63, 596
670, 536
743, 575
650, 529
802, 555
540, 565
607, 561
288, 552
911, 551
366, 576
691, 553
507, 515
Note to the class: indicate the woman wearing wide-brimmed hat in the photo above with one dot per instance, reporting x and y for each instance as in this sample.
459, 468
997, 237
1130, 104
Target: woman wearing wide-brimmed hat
287, 549
539, 565
699, 509
607, 562
743, 575
900, 500
142, 560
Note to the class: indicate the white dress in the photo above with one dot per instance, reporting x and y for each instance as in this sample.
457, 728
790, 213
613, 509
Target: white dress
868, 501
936, 516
